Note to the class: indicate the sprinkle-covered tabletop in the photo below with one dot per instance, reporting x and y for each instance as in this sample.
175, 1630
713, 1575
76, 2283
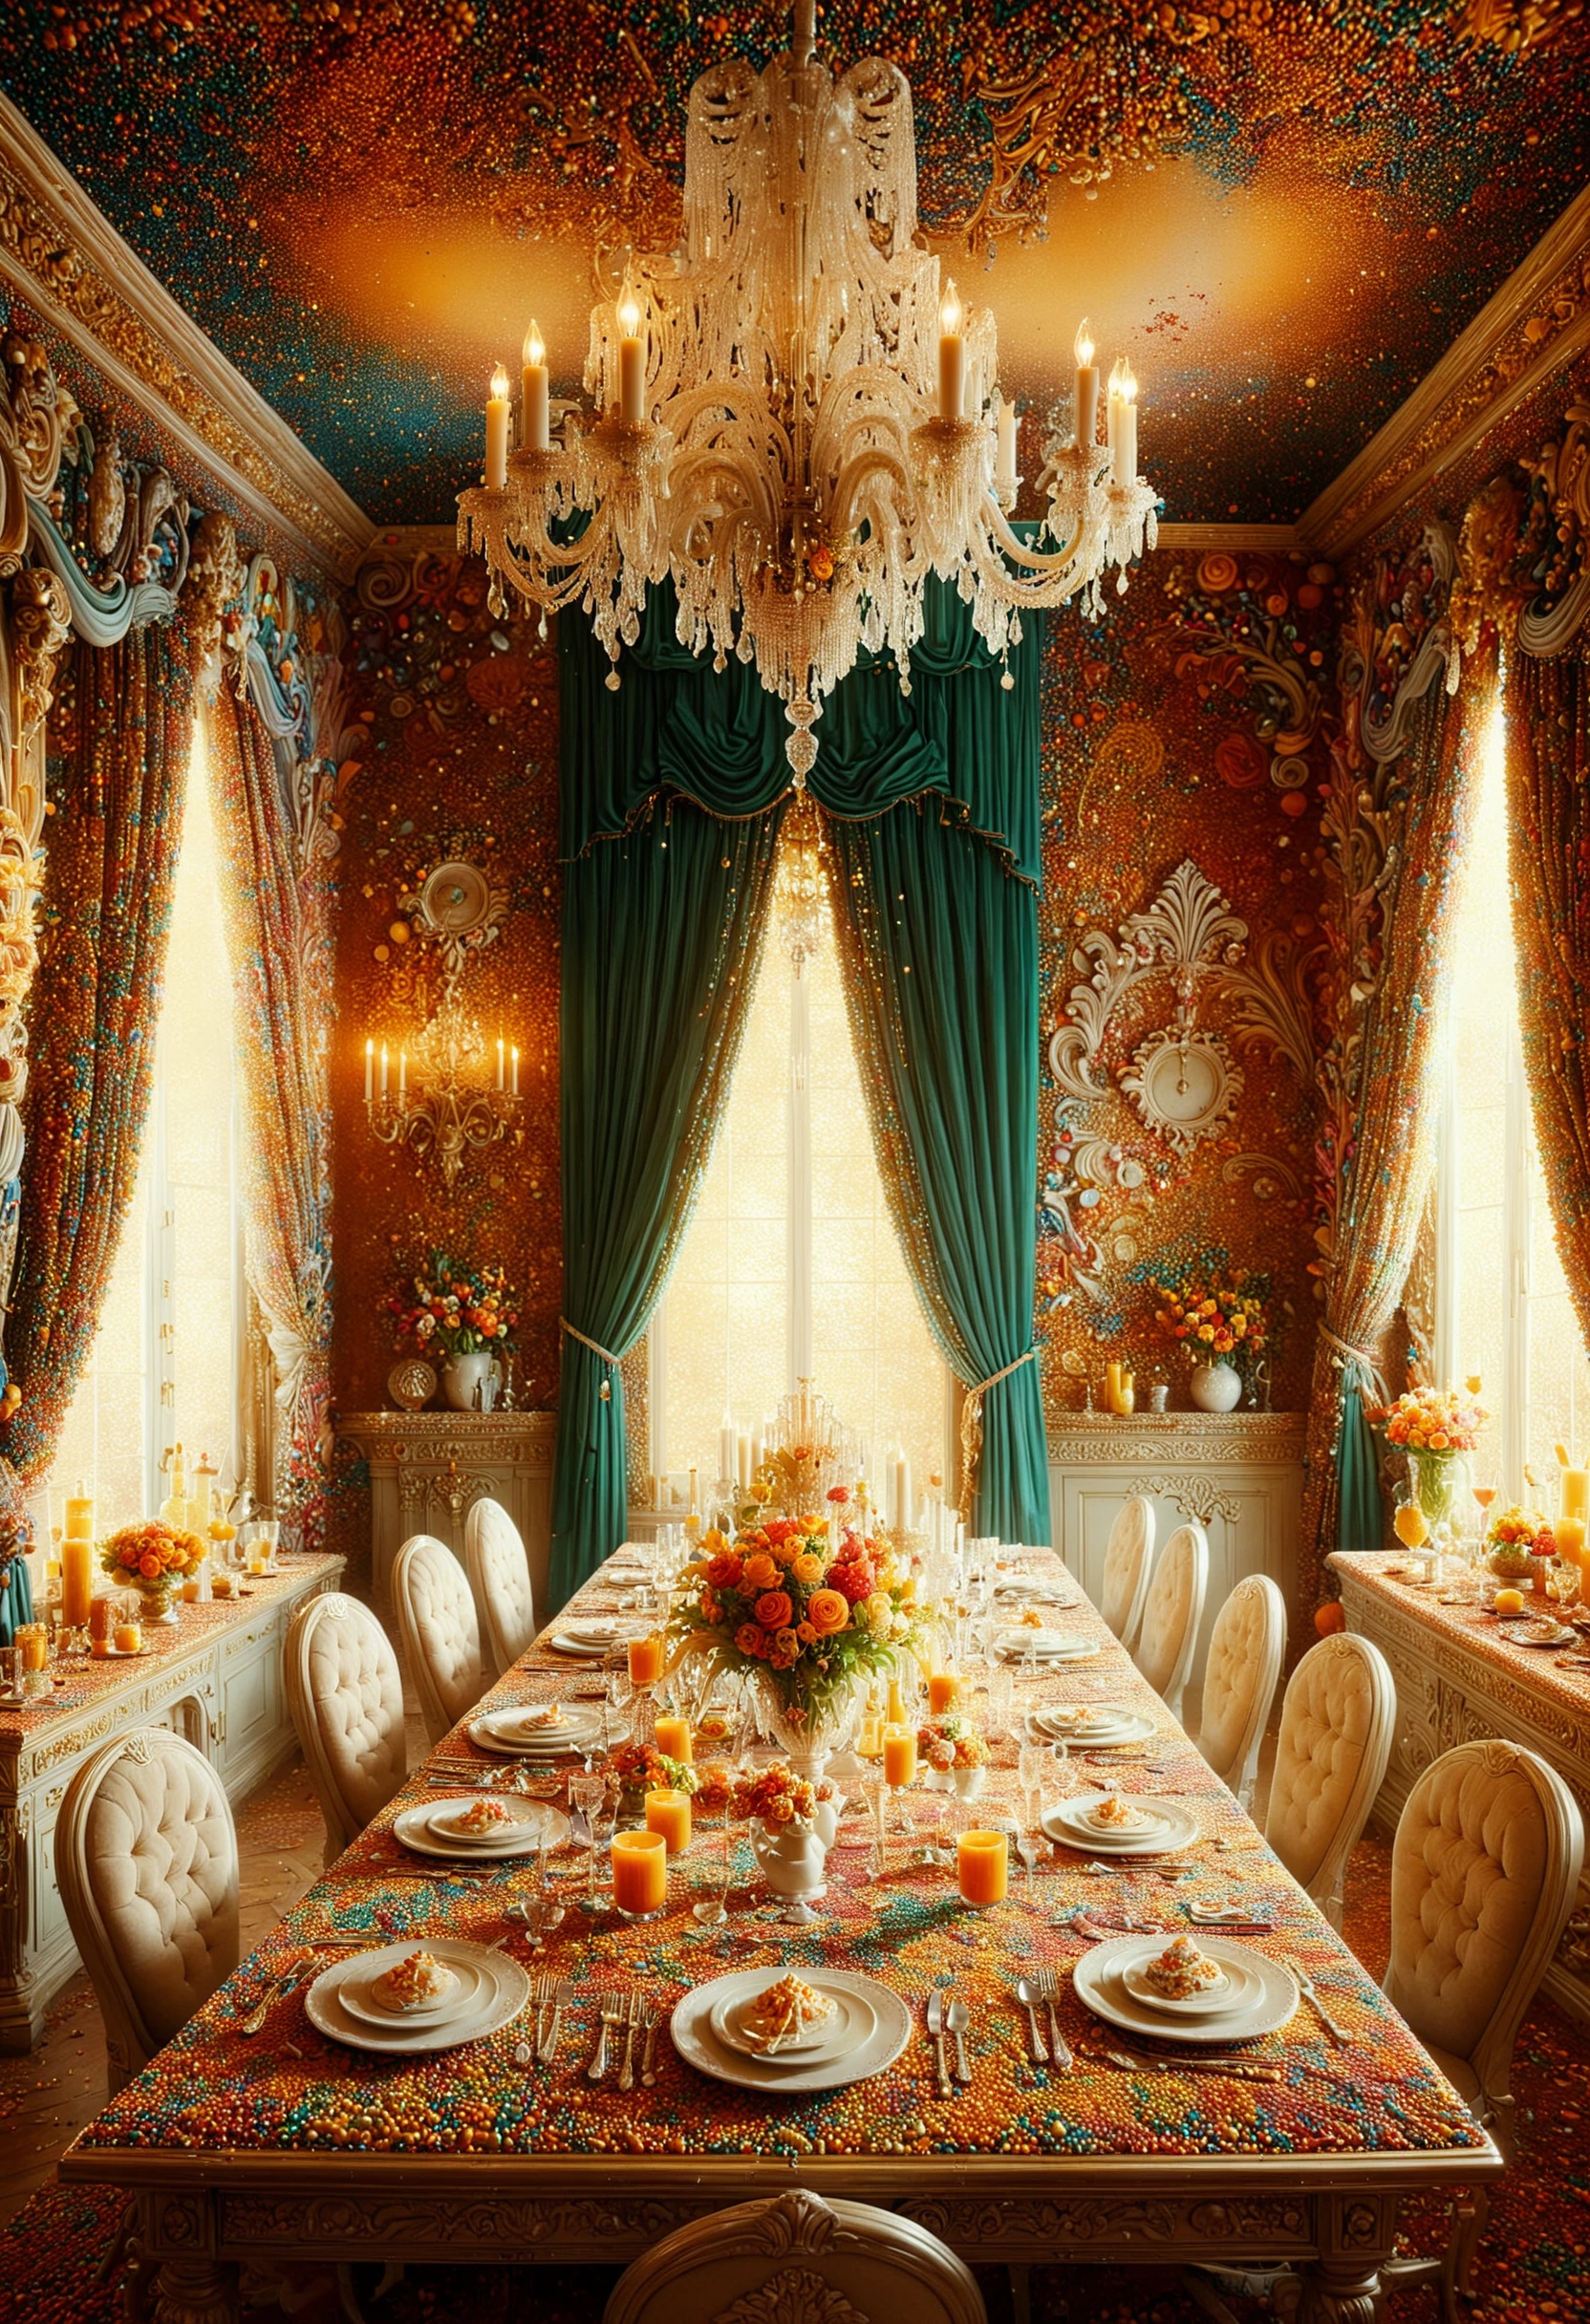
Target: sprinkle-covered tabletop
1449, 1610
220, 2110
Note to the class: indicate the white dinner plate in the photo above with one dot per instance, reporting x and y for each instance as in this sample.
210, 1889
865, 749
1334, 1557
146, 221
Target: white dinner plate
415, 1829
1113, 1726
518, 1723
856, 2022
357, 1995
1240, 1989
1044, 1646
1175, 1828
562, 1643
700, 2046
1099, 1984
504, 1990
491, 1732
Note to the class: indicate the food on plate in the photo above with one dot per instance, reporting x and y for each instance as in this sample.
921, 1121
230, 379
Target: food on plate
413, 1982
784, 2012
1182, 1970
1117, 1815
540, 1717
1032, 1618
480, 1816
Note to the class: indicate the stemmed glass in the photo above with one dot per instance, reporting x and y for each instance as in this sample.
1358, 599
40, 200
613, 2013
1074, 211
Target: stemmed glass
932, 1816
588, 1792
712, 1910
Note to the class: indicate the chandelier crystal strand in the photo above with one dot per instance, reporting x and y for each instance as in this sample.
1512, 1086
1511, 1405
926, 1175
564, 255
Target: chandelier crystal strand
798, 421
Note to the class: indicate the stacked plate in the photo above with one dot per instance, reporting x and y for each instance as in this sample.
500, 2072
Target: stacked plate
1131, 1827
592, 1638
1020, 1646
529, 1732
869, 2029
1101, 1725
488, 1993
438, 1827
1253, 1996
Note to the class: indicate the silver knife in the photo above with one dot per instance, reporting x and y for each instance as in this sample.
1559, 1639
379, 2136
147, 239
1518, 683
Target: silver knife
935, 2028
546, 2049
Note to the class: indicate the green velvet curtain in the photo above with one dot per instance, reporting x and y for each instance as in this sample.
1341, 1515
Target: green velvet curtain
672, 795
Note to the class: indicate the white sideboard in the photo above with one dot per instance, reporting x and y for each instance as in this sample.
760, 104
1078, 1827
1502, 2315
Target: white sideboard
215, 1676
427, 1469
1238, 1475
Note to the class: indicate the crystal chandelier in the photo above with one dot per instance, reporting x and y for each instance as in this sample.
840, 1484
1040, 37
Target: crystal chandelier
798, 421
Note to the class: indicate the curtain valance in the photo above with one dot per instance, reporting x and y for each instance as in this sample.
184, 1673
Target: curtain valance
675, 724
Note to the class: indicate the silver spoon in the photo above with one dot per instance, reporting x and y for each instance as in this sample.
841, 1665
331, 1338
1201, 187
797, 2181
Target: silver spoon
959, 2018
1027, 1993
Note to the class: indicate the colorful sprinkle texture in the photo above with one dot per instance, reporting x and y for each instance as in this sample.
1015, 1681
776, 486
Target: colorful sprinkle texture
213, 2089
1283, 215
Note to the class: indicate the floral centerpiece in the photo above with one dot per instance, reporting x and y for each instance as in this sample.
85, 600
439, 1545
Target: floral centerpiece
1519, 1541
467, 1316
153, 1557
807, 1606
1438, 1428
953, 1750
1223, 1321
777, 1795
640, 1768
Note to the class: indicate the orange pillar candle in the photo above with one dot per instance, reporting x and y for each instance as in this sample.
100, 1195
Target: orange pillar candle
899, 1758
669, 1813
1569, 1535
943, 1692
29, 1637
99, 1627
673, 1740
129, 1636
639, 1874
645, 1661
76, 1580
982, 1864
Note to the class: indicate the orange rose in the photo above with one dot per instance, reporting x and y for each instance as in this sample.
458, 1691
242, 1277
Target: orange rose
785, 1642
805, 1633
828, 1611
775, 1611
807, 1569
724, 1570
149, 1566
751, 1637
761, 1573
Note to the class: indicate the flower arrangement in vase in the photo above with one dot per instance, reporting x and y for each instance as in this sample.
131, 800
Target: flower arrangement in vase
793, 1822
805, 1606
155, 1559
1437, 1428
954, 1753
467, 1316
641, 1767
1520, 1542
1223, 1324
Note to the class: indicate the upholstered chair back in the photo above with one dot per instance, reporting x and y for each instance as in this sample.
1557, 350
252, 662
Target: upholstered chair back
500, 1576
1171, 1614
1129, 1555
346, 1697
1484, 1872
1240, 1677
438, 1632
146, 1863
795, 2255
1336, 1721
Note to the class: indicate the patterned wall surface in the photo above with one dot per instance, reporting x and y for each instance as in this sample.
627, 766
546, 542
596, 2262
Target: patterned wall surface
1283, 215
460, 760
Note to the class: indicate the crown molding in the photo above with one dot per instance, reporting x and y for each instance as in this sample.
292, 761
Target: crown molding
1271, 539
1534, 327
63, 255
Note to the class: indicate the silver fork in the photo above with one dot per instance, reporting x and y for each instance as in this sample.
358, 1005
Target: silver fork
648, 2059
541, 1994
1338, 2033
254, 2022
1047, 1986
626, 2072
613, 2014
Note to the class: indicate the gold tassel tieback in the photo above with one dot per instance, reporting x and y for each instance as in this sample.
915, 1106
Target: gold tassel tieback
971, 1431
605, 1392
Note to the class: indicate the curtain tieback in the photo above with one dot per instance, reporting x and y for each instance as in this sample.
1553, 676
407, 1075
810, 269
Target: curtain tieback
970, 1429
1347, 1353
605, 1392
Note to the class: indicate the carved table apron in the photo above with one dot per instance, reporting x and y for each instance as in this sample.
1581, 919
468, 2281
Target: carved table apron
291, 2151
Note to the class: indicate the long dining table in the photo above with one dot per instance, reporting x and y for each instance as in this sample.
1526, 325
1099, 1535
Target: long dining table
283, 2148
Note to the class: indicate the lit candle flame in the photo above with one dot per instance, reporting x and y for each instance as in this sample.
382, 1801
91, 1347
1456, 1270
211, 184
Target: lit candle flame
499, 385
535, 351
1128, 382
949, 311
1084, 347
628, 314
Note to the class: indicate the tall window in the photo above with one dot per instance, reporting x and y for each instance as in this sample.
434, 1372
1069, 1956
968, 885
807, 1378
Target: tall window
1502, 1305
164, 1368
791, 1268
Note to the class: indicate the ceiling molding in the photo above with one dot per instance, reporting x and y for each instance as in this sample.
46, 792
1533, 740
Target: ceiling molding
66, 259
1535, 325
1272, 540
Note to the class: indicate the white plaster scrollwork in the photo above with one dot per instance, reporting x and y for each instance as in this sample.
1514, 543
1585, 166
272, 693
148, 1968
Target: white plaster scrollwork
1196, 1496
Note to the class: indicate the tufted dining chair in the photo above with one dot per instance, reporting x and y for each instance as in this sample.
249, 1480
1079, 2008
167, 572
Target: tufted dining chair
1485, 1869
793, 2255
1171, 1614
1129, 1555
438, 1632
146, 1864
346, 1697
500, 1576
1242, 1672
1336, 1721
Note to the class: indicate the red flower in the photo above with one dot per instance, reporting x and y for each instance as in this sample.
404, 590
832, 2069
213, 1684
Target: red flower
779, 1529
723, 1571
856, 1580
839, 1493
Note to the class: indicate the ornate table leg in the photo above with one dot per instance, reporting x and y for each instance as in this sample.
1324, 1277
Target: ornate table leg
196, 2292
1356, 2236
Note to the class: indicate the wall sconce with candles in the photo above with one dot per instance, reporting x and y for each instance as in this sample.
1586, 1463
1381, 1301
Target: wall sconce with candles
456, 1103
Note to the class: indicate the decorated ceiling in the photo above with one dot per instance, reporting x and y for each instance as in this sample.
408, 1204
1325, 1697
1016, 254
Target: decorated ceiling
1282, 210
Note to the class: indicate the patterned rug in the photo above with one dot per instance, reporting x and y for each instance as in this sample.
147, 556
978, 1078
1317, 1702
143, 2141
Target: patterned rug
1534, 2263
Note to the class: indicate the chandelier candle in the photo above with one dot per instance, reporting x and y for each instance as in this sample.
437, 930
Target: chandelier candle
537, 429
952, 357
1122, 423
1086, 406
632, 363
1004, 474
497, 431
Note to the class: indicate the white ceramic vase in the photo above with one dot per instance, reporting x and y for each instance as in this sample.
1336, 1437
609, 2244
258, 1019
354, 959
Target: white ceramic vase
1216, 1387
808, 1738
966, 1782
794, 1857
462, 1375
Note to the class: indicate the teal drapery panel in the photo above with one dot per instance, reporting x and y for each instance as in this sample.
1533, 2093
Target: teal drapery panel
661, 933
941, 956
719, 737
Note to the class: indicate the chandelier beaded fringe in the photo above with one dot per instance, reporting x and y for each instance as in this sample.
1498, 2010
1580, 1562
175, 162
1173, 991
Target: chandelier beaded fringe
799, 423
